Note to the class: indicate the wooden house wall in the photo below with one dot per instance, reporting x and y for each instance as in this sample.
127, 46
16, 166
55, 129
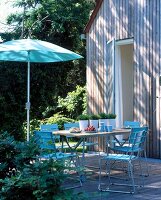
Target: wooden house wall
140, 20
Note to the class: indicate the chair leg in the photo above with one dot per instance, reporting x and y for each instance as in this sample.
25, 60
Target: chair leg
76, 163
83, 153
146, 163
100, 174
130, 171
142, 176
108, 171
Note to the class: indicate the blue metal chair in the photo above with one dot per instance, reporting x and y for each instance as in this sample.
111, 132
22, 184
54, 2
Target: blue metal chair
68, 126
127, 124
126, 148
46, 142
131, 124
135, 147
52, 128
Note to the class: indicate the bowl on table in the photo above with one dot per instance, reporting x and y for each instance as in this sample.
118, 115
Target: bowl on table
74, 130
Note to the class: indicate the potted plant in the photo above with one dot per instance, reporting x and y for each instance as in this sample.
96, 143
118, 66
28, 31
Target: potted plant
93, 120
83, 121
111, 120
103, 119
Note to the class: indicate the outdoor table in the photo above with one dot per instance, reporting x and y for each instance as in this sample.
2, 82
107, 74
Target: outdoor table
83, 135
81, 138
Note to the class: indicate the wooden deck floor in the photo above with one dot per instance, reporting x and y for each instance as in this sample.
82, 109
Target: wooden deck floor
151, 191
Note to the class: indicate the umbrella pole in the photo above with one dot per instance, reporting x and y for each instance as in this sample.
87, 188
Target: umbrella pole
28, 99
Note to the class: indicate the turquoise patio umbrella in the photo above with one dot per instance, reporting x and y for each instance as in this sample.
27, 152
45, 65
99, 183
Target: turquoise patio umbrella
35, 51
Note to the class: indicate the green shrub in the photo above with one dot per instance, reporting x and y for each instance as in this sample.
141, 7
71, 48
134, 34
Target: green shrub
24, 177
111, 116
14, 154
34, 125
93, 116
57, 119
39, 180
75, 102
7, 152
83, 117
103, 116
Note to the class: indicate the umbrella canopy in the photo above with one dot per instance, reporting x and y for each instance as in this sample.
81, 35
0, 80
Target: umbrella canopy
40, 51
36, 51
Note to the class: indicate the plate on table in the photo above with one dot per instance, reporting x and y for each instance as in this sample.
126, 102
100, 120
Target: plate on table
75, 131
90, 131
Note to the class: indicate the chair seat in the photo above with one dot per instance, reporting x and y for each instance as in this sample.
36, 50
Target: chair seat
58, 155
122, 157
125, 149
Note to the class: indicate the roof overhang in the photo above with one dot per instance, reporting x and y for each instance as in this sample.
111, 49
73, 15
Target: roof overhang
88, 26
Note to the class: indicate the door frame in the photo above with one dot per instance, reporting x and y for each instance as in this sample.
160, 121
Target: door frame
119, 43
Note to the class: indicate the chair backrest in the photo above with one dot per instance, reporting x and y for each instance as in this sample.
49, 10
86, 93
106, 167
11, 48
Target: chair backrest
67, 126
45, 140
137, 141
143, 131
50, 127
131, 124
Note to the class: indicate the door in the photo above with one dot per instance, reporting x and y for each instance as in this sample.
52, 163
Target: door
118, 78
124, 86
109, 78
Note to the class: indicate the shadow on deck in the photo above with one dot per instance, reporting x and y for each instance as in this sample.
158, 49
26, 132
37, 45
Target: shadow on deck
151, 190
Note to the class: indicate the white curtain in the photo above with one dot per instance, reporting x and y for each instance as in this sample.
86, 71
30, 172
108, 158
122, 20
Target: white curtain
118, 88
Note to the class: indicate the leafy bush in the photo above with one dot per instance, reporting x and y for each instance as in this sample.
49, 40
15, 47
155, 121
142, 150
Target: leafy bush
57, 119
103, 116
75, 102
34, 125
7, 152
23, 176
93, 116
107, 116
111, 116
83, 117
14, 154
39, 180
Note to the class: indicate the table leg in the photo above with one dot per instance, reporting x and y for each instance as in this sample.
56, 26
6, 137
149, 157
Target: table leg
83, 157
72, 149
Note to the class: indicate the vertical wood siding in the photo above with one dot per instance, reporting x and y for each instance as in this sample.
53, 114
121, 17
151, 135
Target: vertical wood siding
140, 20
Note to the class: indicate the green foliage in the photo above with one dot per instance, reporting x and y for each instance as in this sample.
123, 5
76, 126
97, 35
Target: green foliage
75, 102
111, 116
23, 176
12, 99
94, 116
53, 21
34, 125
83, 117
8, 152
58, 119
14, 154
39, 180
107, 116
103, 116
